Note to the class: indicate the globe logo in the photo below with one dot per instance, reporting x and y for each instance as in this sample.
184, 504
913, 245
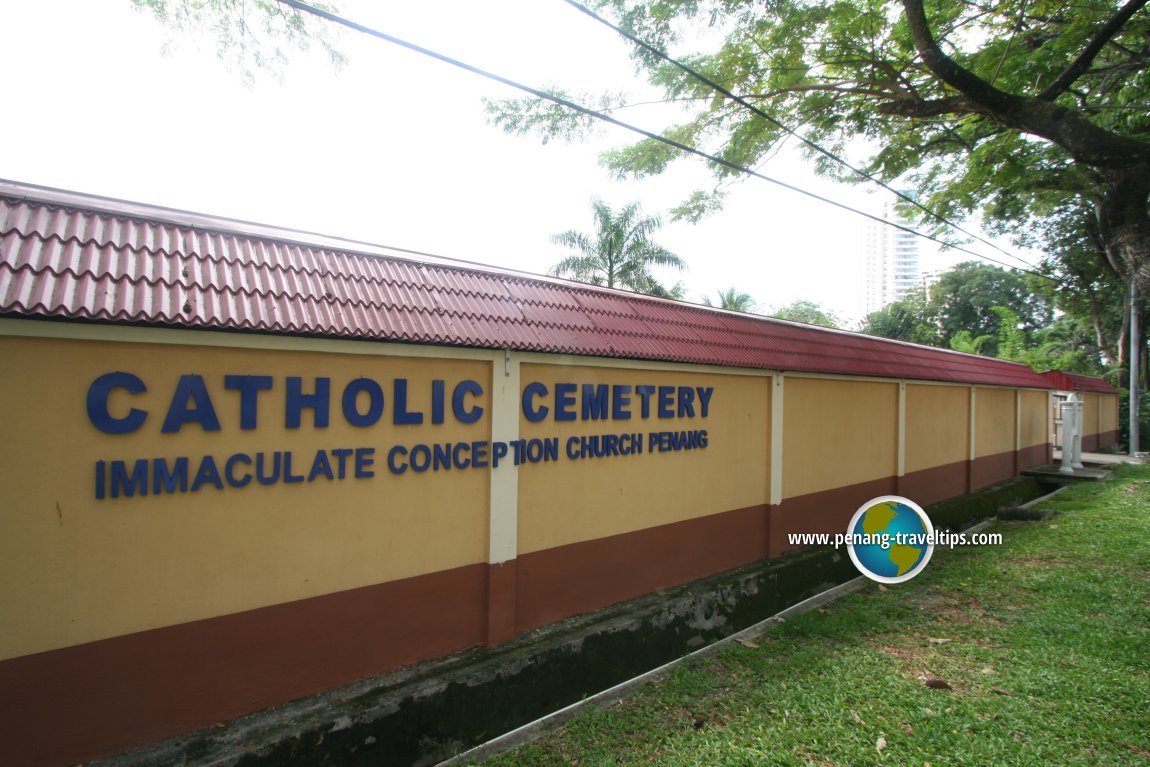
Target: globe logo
890, 539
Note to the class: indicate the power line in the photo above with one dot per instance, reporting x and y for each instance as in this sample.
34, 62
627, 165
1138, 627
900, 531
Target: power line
356, 26
789, 131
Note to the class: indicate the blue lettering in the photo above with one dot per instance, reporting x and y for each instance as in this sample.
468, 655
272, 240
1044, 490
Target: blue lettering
542, 450
686, 402
704, 399
479, 455
565, 401
249, 388
498, 452
98, 413
462, 389
297, 401
164, 481
364, 458
400, 414
288, 476
320, 466
530, 392
230, 470
442, 457
129, 484
438, 398
191, 404
460, 463
396, 468
666, 401
265, 479
420, 458
342, 454
595, 398
645, 391
351, 394
207, 474
621, 403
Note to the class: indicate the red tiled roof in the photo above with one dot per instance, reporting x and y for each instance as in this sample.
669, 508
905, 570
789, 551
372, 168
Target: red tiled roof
75, 256
1077, 382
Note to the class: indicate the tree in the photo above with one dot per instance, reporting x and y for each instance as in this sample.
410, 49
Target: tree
248, 36
966, 299
808, 312
1084, 285
620, 254
975, 105
964, 310
906, 320
733, 299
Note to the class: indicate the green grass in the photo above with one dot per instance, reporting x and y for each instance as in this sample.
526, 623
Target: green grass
1048, 659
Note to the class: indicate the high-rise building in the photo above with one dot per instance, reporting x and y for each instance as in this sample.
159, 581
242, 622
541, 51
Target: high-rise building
892, 260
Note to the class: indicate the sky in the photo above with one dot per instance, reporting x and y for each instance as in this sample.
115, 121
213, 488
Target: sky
394, 148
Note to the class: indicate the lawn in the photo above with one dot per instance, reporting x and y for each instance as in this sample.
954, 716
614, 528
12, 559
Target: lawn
1039, 649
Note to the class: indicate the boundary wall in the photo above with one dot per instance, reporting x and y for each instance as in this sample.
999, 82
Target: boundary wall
1099, 408
244, 465
144, 602
1099, 420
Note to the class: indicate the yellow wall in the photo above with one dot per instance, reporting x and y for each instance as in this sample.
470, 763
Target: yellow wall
937, 425
1090, 405
994, 421
570, 501
837, 433
1108, 413
1034, 427
75, 569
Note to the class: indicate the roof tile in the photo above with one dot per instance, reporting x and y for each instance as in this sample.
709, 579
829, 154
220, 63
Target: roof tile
71, 256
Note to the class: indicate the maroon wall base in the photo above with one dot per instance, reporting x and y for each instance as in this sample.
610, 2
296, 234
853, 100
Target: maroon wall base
100, 698
1036, 455
828, 511
581, 577
935, 484
989, 469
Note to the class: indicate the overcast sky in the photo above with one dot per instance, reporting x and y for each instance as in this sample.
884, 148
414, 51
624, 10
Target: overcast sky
394, 149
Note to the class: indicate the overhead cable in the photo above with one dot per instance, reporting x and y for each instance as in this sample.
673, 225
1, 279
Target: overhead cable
541, 94
789, 131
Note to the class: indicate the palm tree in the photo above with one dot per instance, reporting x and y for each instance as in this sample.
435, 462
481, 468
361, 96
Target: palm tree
732, 299
620, 254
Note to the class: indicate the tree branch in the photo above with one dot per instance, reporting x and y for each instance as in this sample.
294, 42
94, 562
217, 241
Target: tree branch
1085, 141
917, 109
1091, 51
947, 70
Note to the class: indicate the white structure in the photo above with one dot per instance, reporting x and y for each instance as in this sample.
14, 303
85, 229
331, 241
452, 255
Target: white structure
892, 260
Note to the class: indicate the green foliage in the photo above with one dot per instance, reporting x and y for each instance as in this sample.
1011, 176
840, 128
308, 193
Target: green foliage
966, 299
733, 299
1143, 418
550, 120
256, 35
1022, 114
808, 312
963, 341
1041, 639
983, 309
620, 254
907, 320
